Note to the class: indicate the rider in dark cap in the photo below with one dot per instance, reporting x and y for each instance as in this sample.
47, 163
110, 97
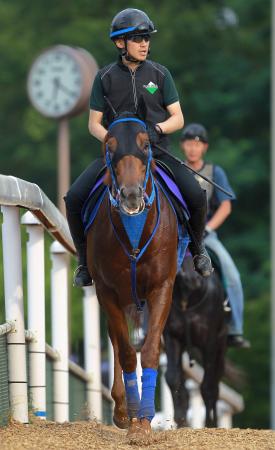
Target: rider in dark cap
128, 82
194, 144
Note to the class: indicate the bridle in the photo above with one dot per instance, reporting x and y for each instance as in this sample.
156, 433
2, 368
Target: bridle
115, 198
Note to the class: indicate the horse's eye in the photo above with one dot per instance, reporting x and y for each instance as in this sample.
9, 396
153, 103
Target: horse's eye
146, 148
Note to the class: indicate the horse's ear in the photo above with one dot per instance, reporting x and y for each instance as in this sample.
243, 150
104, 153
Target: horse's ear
142, 109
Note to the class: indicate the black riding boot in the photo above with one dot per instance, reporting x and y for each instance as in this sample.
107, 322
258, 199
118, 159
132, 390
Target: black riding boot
81, 275
201, 259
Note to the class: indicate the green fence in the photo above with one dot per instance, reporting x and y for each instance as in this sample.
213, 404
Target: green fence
4, 385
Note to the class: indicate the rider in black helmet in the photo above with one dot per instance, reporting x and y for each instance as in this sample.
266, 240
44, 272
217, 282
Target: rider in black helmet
127, 83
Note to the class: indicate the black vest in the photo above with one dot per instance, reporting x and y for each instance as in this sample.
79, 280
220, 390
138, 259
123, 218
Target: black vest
208, 171
124, 88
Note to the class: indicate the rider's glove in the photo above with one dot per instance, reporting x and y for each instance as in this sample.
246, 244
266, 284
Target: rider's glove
154, 132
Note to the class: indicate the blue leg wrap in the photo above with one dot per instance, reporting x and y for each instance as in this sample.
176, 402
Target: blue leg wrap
147, 405
132, 394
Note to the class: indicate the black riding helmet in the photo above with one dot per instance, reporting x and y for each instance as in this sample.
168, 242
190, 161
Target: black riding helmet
194, 131
130, 22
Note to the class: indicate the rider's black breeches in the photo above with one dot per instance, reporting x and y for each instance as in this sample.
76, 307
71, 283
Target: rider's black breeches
195, 198
188, 185
81, 187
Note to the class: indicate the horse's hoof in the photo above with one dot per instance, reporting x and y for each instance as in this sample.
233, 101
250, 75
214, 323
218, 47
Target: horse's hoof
135, 428
146, 425
139, 427
121, 422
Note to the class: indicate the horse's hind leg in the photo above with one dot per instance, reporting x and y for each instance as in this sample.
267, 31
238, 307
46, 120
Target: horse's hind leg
176, 380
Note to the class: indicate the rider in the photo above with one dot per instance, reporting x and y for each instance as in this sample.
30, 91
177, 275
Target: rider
194, 144
124, 83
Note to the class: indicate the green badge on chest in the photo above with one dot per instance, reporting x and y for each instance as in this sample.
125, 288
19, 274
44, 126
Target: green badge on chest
151, 87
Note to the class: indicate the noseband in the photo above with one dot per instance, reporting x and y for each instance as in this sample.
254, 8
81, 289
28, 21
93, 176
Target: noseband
115, 199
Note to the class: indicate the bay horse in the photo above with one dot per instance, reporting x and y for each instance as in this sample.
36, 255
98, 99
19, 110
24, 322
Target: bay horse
124, 270
197, 319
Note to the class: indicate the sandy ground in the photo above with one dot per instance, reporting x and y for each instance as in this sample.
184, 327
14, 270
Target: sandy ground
83, 435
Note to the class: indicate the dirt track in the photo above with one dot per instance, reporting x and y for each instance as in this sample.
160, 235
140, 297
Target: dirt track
83, 435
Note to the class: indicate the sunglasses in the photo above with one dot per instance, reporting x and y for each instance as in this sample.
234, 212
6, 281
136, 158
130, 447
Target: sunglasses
138, 38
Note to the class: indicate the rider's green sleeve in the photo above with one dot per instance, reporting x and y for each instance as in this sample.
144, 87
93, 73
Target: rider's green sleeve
97, 96
170, 93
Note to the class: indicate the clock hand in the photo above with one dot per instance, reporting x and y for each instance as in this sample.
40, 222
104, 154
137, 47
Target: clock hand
56, 85
65, 89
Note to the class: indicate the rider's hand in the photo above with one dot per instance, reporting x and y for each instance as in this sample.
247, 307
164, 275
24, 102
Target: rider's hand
154, 132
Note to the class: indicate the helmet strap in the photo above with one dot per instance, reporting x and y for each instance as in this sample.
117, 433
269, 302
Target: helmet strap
126, 54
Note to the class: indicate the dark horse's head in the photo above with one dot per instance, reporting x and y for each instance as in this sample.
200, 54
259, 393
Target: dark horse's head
128, 157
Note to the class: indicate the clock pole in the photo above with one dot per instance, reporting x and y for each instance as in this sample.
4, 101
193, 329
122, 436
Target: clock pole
63, 157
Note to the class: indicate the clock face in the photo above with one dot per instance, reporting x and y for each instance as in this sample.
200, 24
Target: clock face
55, 83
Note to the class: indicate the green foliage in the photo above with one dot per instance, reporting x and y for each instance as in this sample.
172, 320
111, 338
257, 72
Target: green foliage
222, 73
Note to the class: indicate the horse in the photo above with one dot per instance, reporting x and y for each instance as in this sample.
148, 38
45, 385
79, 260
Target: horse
125, 270
197, 319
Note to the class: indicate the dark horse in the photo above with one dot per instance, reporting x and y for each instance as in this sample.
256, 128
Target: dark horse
123, 273
197, 319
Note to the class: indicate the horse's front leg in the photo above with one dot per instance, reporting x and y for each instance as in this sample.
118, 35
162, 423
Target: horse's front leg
124, 358
159, 303
120, 417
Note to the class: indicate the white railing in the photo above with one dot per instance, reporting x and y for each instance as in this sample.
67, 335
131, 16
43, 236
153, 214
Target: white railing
16, 193
42, 214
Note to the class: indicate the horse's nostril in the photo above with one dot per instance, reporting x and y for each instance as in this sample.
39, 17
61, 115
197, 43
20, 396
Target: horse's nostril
122, 192
140, 190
